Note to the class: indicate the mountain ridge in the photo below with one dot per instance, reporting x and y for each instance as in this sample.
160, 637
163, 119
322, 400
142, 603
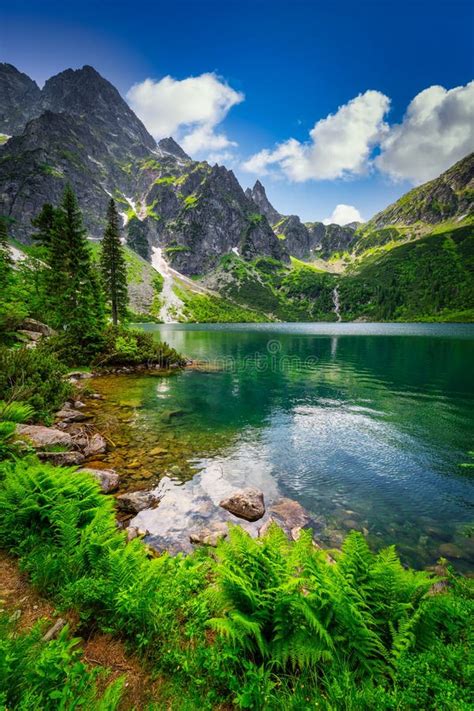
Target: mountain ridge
194, 211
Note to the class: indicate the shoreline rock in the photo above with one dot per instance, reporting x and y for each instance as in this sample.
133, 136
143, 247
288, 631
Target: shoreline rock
40, 437
136, 501
246, 503
108, 479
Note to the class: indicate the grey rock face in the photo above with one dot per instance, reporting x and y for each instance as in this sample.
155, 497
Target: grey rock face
247, 504
86, 94
336, 238
259, 196
169, 145
19, 97
303, 240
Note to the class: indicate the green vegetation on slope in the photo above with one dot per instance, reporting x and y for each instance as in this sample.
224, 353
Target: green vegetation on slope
429, 279
301, 293
203, 308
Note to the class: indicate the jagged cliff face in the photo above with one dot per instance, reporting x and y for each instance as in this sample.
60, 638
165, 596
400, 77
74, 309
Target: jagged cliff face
19, 97
303, 240
259, 196
78, 129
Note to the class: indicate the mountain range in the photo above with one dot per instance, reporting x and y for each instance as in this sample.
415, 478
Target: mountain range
78, 129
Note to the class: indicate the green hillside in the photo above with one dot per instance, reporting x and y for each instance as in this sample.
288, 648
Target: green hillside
431, 278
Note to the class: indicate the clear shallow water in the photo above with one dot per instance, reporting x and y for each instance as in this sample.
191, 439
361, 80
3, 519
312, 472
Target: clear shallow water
363, 424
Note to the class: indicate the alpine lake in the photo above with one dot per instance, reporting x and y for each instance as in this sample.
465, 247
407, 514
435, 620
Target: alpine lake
368, 426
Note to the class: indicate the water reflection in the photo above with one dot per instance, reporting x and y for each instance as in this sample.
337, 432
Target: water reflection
367, 429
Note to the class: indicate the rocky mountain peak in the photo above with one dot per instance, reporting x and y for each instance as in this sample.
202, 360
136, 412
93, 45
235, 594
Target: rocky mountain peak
19, 97
85, 92
259, 196
169, 145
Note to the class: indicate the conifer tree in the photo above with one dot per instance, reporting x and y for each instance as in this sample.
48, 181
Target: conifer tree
73, 285
113, 266
44, 223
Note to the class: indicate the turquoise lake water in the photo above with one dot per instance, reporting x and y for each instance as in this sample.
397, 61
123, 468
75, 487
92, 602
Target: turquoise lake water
366, 425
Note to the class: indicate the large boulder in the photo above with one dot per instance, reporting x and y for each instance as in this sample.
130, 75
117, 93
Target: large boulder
71, 415
108, 479
136, 501
246, 503
31, 324
62, 459
41, 437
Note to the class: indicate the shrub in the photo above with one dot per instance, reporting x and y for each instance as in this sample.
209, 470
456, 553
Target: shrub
131, 347
35, 377
72, 352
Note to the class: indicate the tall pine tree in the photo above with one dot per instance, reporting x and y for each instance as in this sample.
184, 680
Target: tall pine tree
72, 283
113, 266
44, 223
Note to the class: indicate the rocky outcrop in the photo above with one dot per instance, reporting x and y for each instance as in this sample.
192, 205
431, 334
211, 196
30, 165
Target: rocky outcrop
19, 98
246, 503
303, 240
259, 197
31, 324
327, 240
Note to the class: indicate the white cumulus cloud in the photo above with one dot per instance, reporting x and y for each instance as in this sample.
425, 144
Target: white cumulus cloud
189, 110
436, 131
343, 215
340, 144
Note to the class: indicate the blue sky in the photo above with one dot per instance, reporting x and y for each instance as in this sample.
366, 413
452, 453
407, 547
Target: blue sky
296, 63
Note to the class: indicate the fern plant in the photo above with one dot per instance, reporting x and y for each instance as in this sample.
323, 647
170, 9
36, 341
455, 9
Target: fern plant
11, 414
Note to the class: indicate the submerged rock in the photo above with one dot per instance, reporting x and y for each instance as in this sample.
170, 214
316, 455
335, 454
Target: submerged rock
41, 437
95, 445
450, 550
246, 503
289, 514
209, 535
136, 501
108, 479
